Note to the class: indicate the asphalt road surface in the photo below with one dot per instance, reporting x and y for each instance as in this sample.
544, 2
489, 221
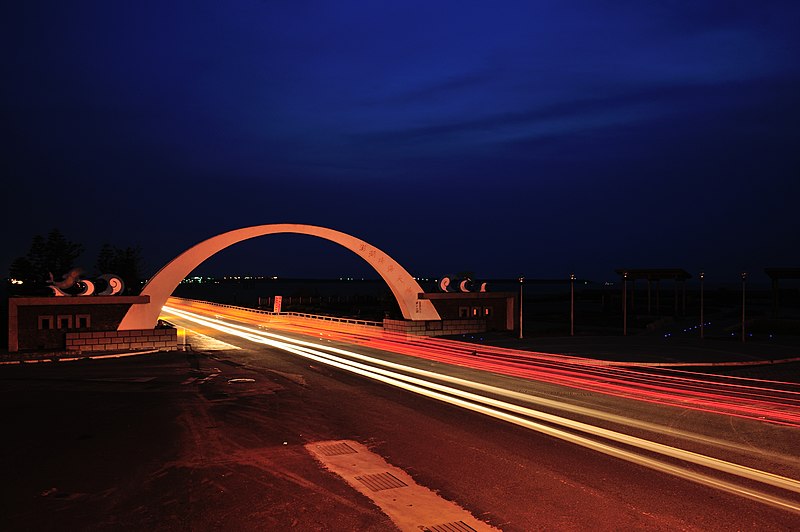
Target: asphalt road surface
215, 440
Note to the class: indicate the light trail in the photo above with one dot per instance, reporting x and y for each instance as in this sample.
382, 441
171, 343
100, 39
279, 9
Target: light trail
729, 396
584, 434
768, 401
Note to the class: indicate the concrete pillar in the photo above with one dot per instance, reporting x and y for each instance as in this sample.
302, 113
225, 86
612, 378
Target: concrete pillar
658, 297
775, 292
675, 295
683, 297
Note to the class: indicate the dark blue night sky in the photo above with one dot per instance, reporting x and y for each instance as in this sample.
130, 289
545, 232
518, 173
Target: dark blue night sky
502, 138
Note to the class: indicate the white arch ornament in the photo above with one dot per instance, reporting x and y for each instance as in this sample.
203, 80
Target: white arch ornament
160, 287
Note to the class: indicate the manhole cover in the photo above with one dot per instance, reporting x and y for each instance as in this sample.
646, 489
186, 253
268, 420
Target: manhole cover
381, 481
456, 526
336, 449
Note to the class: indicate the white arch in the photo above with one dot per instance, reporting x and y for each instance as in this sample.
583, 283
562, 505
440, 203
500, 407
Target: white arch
404, 287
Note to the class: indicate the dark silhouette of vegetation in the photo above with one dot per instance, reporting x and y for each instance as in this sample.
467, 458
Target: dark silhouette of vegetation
54, 256
123, 262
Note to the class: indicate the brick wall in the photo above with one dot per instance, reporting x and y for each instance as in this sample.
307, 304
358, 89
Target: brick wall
435, 328
165, 339
40, 323
496, 308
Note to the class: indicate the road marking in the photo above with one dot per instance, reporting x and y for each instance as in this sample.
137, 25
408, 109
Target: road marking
202, 342
410, 506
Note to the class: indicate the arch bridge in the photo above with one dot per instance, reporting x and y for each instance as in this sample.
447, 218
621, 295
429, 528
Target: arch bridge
160, 287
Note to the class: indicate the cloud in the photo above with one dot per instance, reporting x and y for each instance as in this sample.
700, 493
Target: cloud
575, 113
438, 89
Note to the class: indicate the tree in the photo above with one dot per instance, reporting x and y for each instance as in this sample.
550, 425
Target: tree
37, 259
106, 259
57, 255
60, 253
52, 255
21, 269
124, 262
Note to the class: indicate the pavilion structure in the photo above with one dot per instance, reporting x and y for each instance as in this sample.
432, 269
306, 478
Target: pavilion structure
776, 274
653, 278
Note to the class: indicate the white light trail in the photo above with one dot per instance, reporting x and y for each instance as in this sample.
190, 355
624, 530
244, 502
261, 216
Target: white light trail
514, 413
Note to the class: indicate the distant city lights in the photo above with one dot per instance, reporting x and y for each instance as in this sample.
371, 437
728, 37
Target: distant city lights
206, 279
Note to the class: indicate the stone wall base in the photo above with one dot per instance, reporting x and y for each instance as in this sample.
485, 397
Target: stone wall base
435, 328
164, 339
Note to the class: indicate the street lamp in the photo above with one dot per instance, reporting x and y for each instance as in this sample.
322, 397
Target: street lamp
702, 320
521, 279
744, 278
624, 303
572, 304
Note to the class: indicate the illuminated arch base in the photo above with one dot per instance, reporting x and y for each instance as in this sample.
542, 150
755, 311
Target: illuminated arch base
404, 287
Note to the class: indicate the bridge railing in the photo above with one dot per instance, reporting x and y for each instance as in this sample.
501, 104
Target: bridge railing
318, 317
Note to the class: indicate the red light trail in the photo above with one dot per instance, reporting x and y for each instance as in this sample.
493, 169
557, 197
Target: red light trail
775, 403
769, 401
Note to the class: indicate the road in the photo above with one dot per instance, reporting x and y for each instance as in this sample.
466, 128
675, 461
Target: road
637, 448
218, 439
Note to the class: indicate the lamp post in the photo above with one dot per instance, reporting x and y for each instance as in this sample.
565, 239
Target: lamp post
521, 279
744, 278
624, 303
572, 304
702, 320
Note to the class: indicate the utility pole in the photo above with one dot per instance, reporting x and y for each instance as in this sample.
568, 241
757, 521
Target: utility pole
521, 280
744, 278
702, 319
572, 304
624, 303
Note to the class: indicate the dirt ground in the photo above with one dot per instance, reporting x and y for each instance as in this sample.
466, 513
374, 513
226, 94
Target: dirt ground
132, 444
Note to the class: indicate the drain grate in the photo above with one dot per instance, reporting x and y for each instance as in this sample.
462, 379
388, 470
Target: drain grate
456, 526
336, 449
381, 481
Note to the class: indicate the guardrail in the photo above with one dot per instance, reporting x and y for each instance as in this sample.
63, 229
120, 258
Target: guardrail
317, 317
